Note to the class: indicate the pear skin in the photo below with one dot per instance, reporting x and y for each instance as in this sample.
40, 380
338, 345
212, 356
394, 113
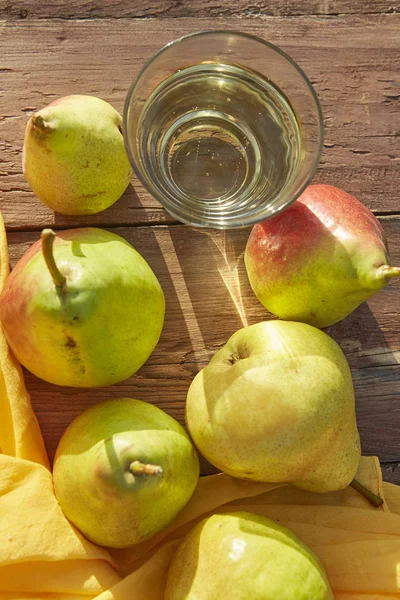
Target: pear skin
88, 316
319, 259
74, 156
244, 556
276, 404
123, 470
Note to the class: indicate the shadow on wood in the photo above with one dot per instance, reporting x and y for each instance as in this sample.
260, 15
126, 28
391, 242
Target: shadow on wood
375, 374
118, 213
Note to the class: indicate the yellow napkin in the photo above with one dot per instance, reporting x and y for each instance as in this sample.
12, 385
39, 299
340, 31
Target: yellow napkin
43, 556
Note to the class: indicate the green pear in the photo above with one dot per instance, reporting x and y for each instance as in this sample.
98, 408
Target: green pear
123, 470
82, 308
244, 556
319, 259
74, 156
276, 404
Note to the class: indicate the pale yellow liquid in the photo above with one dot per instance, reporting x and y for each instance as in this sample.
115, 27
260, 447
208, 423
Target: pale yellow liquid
219, 139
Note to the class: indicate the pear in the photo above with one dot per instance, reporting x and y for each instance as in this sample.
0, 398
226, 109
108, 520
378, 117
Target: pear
82, 308
74, 156
123, 470
276, 404
319, 259
244, 556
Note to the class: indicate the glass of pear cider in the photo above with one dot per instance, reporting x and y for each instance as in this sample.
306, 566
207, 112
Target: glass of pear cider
223, 129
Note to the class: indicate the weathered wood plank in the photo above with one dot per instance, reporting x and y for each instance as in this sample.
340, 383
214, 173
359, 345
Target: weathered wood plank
208, 298
91, 9
352, 61
391, 472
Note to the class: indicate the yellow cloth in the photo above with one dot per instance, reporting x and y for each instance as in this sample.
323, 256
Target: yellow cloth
43, 556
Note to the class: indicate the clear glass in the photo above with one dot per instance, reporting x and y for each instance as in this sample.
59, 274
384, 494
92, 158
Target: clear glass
223, 129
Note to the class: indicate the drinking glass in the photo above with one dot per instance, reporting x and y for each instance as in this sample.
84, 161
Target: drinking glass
223, 129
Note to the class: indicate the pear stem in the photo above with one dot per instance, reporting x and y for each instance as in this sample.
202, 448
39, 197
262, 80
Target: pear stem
38, 122
139, 468
387, 272
47, 238
370, 496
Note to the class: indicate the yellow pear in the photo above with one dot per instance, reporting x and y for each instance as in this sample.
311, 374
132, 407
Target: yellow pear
276, 404
74, 156
243, 556
123, 470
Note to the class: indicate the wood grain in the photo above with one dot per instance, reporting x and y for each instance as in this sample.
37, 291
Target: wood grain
208, 298
391, 473
89, 9
352, 61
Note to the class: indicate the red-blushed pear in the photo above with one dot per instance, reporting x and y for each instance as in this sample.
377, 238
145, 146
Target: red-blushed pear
319, 259
82, 308
74, 155
123, 470
244, 556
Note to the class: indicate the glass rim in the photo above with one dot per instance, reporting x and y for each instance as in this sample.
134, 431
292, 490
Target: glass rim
223, 32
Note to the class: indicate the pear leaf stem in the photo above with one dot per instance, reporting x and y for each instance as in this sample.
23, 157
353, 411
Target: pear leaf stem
47, 238
368, 494
139, 468
387, 272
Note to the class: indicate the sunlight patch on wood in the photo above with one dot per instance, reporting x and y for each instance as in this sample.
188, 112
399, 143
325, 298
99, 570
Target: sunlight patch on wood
227, 262
164, 240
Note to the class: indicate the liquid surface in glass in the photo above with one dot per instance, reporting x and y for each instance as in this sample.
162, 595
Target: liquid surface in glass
218, 138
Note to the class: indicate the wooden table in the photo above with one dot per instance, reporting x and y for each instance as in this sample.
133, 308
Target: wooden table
349, 49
